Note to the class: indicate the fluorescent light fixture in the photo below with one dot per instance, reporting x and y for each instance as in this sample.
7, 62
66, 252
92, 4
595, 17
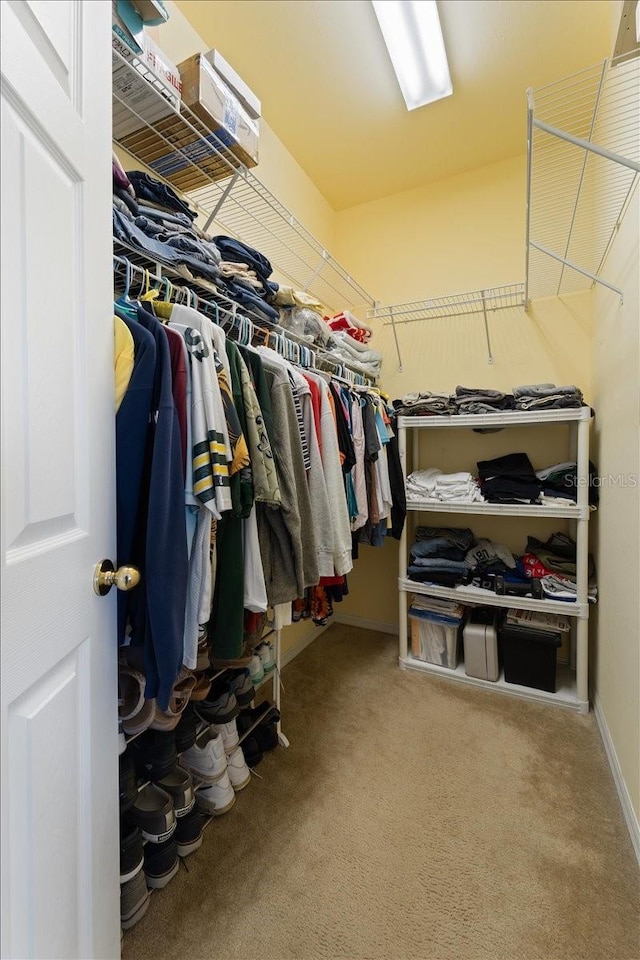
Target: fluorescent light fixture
413, 35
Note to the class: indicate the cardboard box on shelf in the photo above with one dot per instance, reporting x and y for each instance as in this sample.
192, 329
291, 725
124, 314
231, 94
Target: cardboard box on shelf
212, 100
153, 69
245, 95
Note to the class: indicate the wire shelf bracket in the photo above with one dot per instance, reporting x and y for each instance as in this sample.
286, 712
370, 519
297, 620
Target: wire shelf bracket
478, 302
583, 167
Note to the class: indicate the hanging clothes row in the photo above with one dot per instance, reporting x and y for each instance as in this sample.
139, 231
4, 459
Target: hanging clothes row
244, 480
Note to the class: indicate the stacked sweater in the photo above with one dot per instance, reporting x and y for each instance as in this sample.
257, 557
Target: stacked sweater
546, 396
509, 479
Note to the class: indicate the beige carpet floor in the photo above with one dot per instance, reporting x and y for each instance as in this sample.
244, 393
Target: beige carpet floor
410, 819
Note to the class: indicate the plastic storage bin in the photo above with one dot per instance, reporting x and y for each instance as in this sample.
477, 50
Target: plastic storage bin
435, 639
480, 637
529, 656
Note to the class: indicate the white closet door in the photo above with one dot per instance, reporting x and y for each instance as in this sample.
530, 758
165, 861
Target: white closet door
59, 716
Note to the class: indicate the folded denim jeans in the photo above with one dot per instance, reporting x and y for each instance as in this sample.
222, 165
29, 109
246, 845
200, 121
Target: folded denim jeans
148, 188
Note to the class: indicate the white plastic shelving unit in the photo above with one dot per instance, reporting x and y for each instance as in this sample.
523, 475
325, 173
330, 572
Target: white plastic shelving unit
572, 685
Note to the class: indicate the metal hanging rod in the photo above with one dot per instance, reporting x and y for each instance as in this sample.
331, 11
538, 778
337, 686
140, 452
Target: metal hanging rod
480, 302
180, 148
583, 167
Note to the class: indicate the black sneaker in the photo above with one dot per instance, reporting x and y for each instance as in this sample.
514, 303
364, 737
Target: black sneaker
154, 753
252, 752
189, 831
185, 732
128, 782
153, 812
242, 686
179, 784
161, 863
267, 734
247, 718
131, 851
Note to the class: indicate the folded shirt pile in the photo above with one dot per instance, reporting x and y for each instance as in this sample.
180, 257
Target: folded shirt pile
560, 483
433, 484
554, 564
356, 354
544, 396
478, 401
509, 479
424, 405
350, 324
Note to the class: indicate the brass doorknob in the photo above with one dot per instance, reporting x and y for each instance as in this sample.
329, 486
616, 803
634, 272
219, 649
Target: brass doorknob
105, 577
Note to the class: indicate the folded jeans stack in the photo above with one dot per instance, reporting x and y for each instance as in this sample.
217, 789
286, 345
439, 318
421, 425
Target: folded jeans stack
544, 396
479, 401
438, 556
509, 479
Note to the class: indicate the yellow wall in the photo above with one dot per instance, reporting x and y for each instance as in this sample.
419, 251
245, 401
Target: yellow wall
277, 168
453, 236
616, 527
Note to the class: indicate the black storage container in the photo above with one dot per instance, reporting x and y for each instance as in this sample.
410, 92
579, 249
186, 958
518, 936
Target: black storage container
529, 656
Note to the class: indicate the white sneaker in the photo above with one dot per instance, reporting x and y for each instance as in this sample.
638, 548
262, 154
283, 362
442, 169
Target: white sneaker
239, 772
229, 734
217, 798
256, 670
265, 651
206, 759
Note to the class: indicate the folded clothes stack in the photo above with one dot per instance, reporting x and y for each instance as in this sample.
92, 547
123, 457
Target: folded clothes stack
509, 479
554, 564
356, 354
544, 396
560, 483
424, 405
479, 401
350, 324
439, 556
433, 484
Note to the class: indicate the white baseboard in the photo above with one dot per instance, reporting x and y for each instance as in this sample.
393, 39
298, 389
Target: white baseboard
300, 645
377, 625
623, 793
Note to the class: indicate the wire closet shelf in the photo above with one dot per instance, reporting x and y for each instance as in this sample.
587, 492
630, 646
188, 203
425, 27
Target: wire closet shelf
478, 302
178, 147
583, 166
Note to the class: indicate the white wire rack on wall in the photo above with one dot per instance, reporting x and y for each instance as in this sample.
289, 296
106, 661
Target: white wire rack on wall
583, 165
179, 147
475, 302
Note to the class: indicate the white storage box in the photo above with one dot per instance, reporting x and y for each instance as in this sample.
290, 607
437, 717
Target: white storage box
480, 638
434, 638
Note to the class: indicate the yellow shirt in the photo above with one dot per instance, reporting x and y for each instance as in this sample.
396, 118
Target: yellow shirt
124, 356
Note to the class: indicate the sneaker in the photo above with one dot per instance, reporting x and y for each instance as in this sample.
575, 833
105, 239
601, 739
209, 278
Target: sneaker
206, 760
135, 712
265, 652
153, 812
202, 687
185, 734
264, 711
131, 852
220, 706
161, 863
229, 734
256, 670
179, 785
239, 773
180, 694
242, 685
217, 798
252, 752
134, 900
154, 754
189, 833
128, 782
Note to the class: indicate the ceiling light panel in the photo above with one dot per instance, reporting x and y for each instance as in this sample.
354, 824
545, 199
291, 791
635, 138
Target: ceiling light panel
413, 35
